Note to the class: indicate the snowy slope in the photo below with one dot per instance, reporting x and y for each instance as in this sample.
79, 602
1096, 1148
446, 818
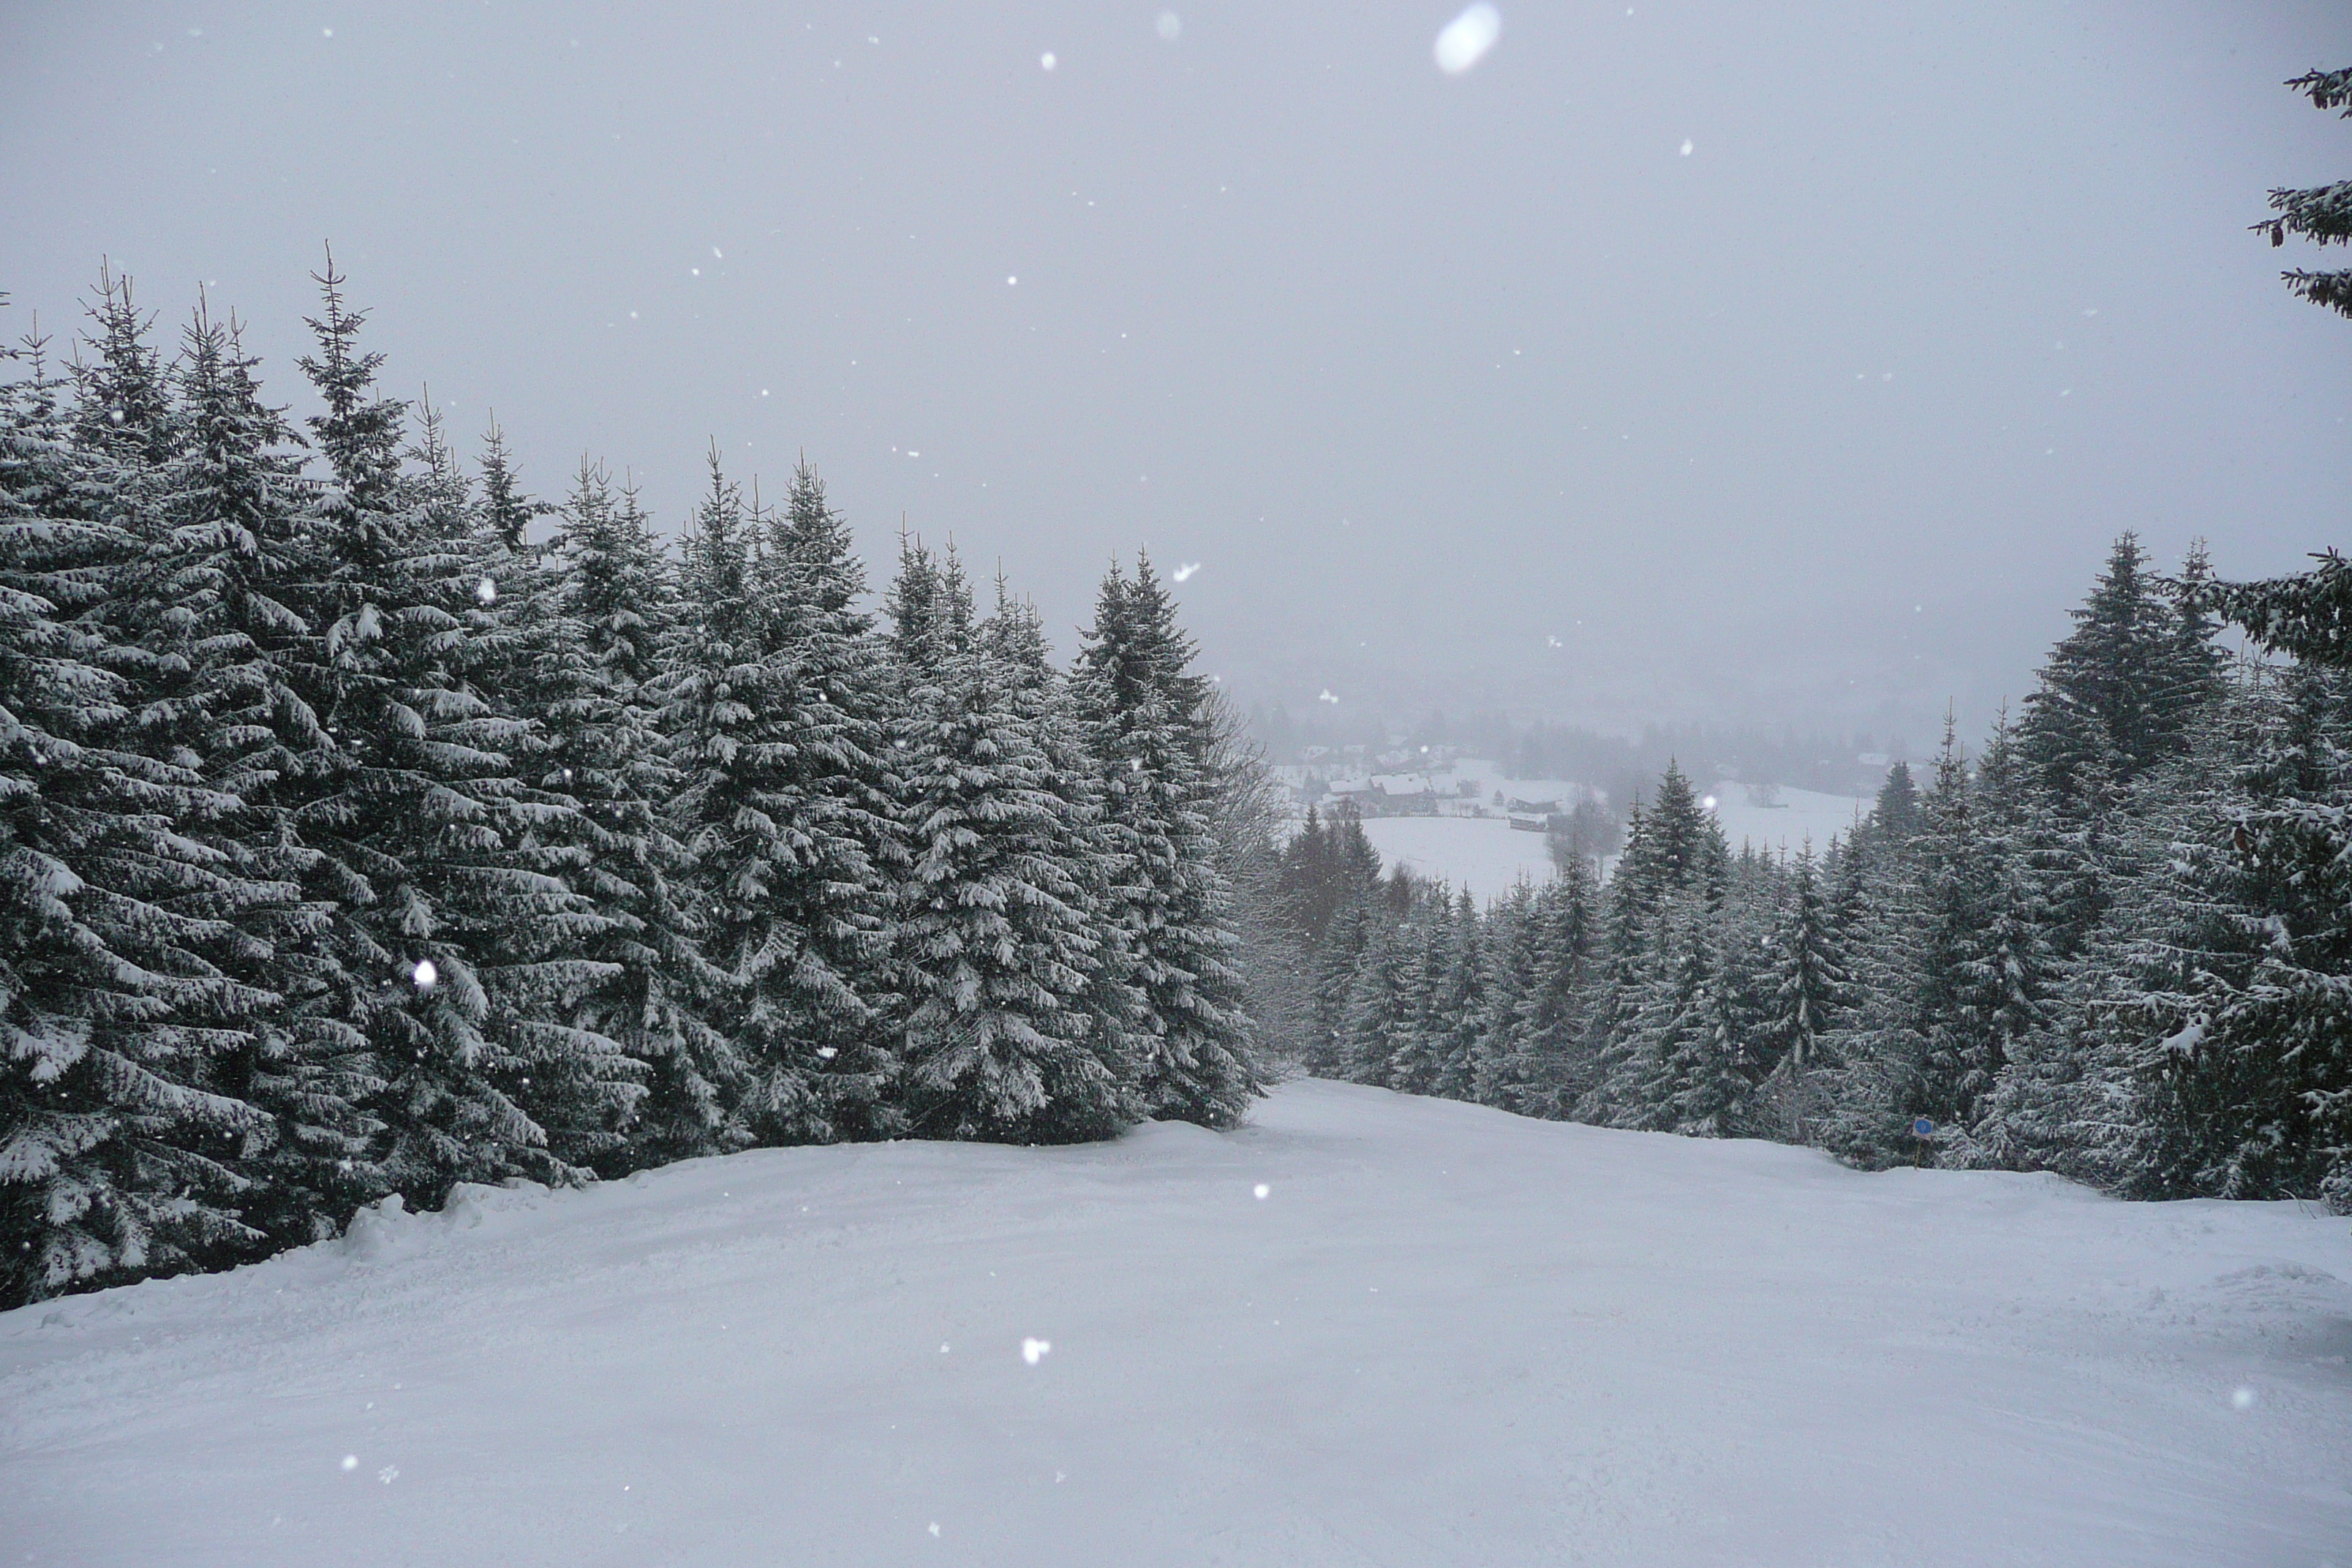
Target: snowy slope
1444, 1336
1486, 855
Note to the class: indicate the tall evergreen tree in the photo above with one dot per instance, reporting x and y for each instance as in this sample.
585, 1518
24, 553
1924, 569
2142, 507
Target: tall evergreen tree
1002, 1040
774, 800
445, 947
110, 1134
1810, 985
1143, 710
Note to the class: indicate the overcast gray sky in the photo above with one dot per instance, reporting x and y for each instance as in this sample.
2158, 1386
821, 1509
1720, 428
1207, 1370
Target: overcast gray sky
1723, 359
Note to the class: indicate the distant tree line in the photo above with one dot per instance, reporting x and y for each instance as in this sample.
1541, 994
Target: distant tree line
353, 844
2114, 944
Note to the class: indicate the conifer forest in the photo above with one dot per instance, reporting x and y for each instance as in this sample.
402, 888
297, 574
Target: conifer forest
361, 843
357, 845
1301, 786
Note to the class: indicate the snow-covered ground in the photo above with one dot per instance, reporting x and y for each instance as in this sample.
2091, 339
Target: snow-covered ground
1443, 1335
1783, 827
1486, 855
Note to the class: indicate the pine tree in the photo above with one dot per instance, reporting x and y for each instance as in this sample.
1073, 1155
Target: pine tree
110, 1136
2117, 692
1500, 1070
780, 820
1355, 929
2321, 214
1810, 986
2242, 1001
1001, 1039
1458, 1011
606, 611
445, 947
1552, 1016
1143, 712
236, 504
1417, 1054
1378, 1018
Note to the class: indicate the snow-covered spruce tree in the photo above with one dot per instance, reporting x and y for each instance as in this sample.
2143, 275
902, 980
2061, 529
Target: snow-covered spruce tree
416, 815
1681, 1075
2244, 970
107, 1126
601, 608
1324, 869
1457, 1012
1708, 1087
1675, 850
994, 949
837, 677
1961, 974
1808, 987
237, 509
1549, 1065
2321, 214
1416, 1058
1613, 1000
1014, 639
1143, 712
779, 829
2116, 693
1354, 930
1377, 1020
1501, 1068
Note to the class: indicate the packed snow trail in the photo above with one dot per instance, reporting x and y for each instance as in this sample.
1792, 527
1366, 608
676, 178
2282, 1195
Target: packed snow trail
1444, 1335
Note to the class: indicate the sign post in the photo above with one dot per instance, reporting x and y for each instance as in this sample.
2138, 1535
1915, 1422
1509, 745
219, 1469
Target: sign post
1923, 1129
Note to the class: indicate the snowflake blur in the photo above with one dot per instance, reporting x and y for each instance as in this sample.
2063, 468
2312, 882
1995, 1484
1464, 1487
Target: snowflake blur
1463, 42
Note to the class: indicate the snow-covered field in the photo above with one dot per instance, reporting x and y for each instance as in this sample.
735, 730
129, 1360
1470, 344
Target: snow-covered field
1486, 855
1443, 1335
1783, 829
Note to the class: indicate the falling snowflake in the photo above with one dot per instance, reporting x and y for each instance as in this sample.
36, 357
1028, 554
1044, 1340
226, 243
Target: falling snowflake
2243, 1399
1033, 1350
1463, 42
350, 1461
486, 591
1171, 25
1260, 1192
1708, 803
827, 1052
1187, 570
1327, 696
935, 1529
388, 1475
1686, 147
424, 975
1012, 280
1047, 61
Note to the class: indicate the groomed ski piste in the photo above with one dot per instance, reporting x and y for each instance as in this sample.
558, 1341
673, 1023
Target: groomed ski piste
1366, 1328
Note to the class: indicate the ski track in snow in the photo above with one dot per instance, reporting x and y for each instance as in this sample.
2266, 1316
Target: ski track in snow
1447, 1336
